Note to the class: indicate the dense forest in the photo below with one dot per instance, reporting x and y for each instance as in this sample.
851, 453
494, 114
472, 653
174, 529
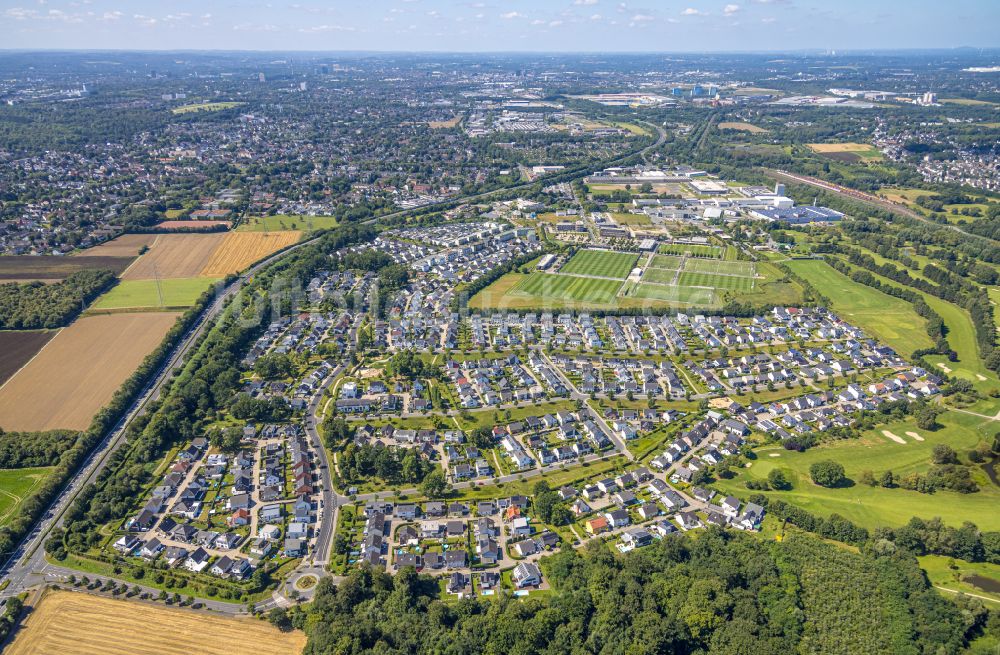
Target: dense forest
722, 592
36, 305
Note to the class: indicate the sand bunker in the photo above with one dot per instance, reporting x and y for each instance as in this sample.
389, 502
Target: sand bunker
914, 435
894, 437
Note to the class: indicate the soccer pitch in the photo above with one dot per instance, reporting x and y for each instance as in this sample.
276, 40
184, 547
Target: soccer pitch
567, 287
601, 263
744, 269
734, 282
665, 261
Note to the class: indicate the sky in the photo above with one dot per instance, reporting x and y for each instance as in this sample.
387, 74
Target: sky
499, 25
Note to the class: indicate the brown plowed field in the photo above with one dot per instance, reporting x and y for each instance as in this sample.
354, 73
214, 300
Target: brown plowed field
174, 256
240, 249
16, 348
127, 245
15, 268
79, 370
74, 623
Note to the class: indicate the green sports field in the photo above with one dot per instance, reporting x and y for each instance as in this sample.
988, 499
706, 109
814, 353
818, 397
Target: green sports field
15, 486
885, 317
568, 287
671, 262
601, 263
746, 269
142, 294
669, 293
659, 275
286, 222
734, 282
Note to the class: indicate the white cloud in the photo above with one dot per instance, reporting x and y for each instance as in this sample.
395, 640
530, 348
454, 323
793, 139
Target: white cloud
729, 10
691, 11
585, 3
642, 18
512, 14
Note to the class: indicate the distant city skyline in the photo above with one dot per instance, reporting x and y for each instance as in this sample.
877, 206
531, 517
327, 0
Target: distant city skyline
500, 25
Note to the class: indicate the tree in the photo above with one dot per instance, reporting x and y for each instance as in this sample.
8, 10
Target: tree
868, 478
886, 480
926, 417
434, 484
827, 473
278, 617
944, 454
776, 478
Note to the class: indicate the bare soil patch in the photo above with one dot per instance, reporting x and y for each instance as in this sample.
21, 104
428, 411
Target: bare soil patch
24, 268
16, 348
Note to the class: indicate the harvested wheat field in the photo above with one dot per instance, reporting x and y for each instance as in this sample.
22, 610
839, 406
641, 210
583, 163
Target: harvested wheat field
127, 245
78, 371
72, 623
241, 249
175, 256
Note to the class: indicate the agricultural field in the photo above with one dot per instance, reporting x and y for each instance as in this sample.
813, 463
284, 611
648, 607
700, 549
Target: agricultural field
238, 250
568, 288
24, 268
205, 106
18, 347
742, 127
73, 623
899, 451
126, 245
16, 485
693, 250
175, 256
154, 294
601, 263
847, 152
444, 125
79, 370
885, 317
285, 222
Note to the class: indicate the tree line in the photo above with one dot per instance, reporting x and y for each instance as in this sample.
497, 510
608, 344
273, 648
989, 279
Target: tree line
35, 305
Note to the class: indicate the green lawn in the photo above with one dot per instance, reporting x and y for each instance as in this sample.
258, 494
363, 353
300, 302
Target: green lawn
952, 574
567, 287
686, 295
601, 263
688, 279
672, 262
746, 269
659, 275
285, 222
128, 294
876, 506
15, 486
884, 317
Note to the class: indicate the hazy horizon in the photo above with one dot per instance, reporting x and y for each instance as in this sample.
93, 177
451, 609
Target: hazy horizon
509, 26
